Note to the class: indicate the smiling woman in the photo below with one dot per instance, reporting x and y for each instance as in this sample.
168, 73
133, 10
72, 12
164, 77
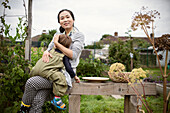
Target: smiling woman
37, 88
66, 20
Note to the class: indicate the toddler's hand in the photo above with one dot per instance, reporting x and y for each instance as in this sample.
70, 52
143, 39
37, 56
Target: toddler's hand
56, 37
77, 79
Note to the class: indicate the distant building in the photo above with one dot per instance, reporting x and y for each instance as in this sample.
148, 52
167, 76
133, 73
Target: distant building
110, 39
36, 38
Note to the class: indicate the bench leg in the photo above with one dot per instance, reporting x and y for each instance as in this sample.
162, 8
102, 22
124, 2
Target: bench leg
126, 103
74, 103
130, 104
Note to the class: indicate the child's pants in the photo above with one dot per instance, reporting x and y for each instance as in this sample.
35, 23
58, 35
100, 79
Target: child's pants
37, 91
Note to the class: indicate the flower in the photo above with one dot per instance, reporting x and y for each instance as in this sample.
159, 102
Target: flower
117, 67
116, 72
137, 75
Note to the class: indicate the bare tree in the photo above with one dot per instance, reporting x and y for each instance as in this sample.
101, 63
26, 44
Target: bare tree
145, 20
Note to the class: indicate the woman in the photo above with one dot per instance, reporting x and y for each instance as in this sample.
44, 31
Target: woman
38, 89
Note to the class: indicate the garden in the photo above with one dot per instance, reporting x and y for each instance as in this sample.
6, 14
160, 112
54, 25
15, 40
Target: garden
14, 71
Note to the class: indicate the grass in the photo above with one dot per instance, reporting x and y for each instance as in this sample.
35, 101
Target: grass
107, 104
101, 104
155, 103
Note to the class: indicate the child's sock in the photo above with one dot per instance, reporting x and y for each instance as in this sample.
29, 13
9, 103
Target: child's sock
58, 99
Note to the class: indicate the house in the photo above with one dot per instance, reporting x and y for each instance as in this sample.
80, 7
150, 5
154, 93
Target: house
147, 54
35, 39
110, 39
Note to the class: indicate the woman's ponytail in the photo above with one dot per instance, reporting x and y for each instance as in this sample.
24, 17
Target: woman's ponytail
61, 29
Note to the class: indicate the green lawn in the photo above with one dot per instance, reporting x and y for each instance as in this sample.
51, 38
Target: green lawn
101, 104
107, 104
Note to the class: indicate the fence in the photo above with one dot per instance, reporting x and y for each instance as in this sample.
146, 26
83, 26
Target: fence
148, 60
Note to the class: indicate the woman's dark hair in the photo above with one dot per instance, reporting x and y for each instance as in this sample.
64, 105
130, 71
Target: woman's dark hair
72, 15
65, 40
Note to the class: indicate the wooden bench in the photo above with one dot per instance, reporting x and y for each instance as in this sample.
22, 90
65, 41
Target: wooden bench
107, 88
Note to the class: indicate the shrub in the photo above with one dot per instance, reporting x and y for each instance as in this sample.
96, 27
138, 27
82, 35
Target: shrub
120, 52
90, 67
12, 66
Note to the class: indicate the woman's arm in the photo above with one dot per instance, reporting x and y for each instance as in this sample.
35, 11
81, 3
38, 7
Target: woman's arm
78, 44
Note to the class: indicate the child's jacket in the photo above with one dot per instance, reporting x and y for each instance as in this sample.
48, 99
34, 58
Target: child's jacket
52, 71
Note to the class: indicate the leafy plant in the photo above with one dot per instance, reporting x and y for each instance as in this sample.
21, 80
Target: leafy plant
95, 45
36, 54
46, 38
90, 67
120, 52
104, 36
140, 43
12, 66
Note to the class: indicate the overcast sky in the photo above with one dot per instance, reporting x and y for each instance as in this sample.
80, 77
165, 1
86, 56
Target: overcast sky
92, 17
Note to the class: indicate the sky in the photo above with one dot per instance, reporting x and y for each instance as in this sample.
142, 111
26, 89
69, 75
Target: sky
93, 18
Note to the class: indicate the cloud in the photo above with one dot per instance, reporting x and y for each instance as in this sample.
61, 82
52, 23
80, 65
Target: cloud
94, 17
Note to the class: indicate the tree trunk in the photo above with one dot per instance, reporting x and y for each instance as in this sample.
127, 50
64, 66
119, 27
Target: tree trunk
28, 40
164, 84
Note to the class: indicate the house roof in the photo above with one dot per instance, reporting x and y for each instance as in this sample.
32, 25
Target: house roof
36, 38
110, 39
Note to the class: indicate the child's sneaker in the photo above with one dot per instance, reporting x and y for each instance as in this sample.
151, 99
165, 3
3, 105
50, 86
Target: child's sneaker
58, 103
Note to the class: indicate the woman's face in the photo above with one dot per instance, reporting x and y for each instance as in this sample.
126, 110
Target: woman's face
66, 20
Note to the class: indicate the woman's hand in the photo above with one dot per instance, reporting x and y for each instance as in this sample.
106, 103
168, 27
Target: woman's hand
77, 79
45, 57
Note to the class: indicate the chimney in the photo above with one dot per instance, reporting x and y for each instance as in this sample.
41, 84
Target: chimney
116, 34
44, 32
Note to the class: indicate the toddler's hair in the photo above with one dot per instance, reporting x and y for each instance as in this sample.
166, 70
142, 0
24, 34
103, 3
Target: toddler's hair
65, 40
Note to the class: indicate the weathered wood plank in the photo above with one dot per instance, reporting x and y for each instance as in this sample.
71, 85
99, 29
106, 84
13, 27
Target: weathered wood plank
149, 89
111, 88
74, 103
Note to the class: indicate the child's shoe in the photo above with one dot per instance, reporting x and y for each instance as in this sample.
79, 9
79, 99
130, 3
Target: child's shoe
58, 103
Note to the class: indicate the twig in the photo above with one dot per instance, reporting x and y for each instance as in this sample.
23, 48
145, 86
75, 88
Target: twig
25, 9
145, 96
137, 93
